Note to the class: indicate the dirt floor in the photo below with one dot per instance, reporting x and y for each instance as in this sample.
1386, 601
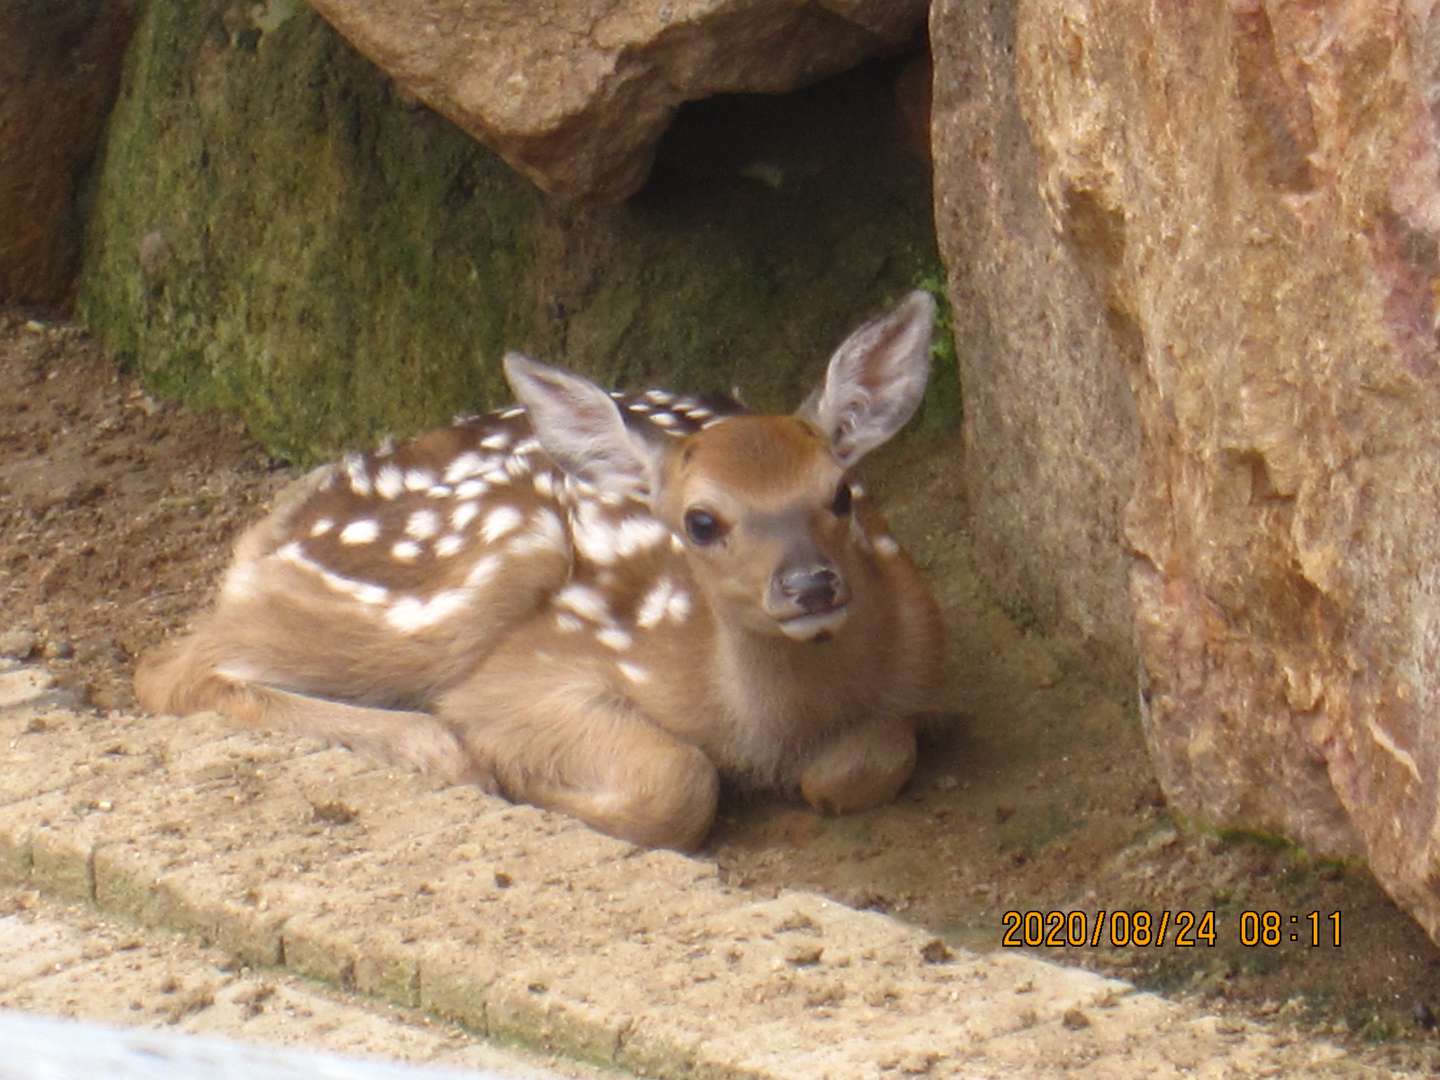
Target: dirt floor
117, 512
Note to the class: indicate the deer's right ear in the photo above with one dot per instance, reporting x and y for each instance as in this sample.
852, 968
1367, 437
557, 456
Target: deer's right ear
875, 380
582, 428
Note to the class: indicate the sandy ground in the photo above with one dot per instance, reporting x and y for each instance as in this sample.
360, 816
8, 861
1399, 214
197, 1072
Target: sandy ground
116, 513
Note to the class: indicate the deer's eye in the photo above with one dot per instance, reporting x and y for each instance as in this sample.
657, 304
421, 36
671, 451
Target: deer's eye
703, 527
840, 507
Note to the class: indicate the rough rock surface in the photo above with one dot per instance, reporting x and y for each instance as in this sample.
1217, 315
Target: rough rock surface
576, 95
1251, 191
58, 74
1050, 431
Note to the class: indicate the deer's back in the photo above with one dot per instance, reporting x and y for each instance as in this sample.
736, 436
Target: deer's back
393, 574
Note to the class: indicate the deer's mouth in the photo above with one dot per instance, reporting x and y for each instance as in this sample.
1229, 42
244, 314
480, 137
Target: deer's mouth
814, 626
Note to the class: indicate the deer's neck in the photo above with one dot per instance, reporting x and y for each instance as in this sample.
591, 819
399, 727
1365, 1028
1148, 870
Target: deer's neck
780, 696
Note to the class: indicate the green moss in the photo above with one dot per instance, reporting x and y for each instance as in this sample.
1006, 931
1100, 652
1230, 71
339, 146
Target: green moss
275, 233
941, 411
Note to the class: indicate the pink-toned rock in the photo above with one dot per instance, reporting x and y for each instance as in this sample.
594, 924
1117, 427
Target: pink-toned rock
575, 94
1235, 208
59, 69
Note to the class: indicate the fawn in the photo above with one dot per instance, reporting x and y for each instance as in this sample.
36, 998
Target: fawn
596, 602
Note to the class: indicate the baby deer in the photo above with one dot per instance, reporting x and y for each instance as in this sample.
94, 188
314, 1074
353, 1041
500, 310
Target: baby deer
594, 601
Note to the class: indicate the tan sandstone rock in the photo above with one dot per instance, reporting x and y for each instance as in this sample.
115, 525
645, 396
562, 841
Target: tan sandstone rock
1251, 192
575, 95
1050, 430
59, 69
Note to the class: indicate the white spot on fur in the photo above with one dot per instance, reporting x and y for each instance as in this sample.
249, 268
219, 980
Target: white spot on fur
545, 484
449, 545
603, 542
422, 524
463, 514
544, 534
659, 397
419, 480
612, 637
412, 614
406, 551
465, 465
363, 531
321, 527
584, 601
471, 489
363, 591
517, 465
664, 600
594, 537
664, 419
389, 482
498, 440
496, 478
639, 534
484, 569
886, 545
440, 491
700, 413
567, 623
641, 407
527, 446
359, 478
652, 607
512, 412
634, 672
500, 522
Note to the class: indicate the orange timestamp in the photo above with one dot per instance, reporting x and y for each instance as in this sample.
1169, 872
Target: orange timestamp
1178, 929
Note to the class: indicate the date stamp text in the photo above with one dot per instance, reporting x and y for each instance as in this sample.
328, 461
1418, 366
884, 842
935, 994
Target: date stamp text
1180, 929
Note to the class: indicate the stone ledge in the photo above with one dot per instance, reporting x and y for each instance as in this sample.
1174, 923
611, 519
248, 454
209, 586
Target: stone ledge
526, 926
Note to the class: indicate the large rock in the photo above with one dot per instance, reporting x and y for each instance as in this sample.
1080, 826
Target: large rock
1050, 429
1251, 191
576, 94
59, 68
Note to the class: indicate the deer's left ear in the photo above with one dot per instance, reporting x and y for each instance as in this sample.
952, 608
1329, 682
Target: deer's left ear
582, 428
875, 380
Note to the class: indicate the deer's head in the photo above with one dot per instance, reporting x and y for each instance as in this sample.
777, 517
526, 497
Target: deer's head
763, 504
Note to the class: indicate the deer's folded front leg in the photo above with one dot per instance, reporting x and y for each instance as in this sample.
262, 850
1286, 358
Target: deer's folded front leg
863, 767
566, 742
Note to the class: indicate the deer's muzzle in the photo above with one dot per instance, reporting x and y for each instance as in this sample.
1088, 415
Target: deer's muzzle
809, 601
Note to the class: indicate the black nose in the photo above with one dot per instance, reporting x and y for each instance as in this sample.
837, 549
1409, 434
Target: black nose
813, 588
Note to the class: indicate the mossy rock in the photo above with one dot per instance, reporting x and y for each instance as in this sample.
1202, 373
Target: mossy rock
275, 231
